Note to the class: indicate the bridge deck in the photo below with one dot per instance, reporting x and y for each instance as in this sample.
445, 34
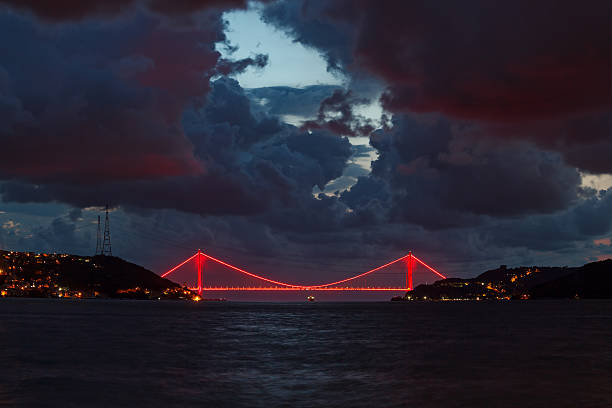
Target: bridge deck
236, 288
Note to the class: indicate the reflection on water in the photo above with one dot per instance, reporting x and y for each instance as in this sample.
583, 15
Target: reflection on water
140, 353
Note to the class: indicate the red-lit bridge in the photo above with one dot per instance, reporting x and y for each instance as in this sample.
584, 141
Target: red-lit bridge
393, 276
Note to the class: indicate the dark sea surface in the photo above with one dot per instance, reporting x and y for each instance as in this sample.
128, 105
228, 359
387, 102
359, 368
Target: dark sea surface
98, 353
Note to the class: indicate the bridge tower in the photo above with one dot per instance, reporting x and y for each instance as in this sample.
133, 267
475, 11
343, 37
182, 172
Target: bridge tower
199, 265
409, 271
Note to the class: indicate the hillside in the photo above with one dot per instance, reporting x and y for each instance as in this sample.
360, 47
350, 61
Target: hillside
64, 275
110, 274
592, 280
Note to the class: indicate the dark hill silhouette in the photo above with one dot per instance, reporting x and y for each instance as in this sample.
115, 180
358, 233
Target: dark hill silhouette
108, 274
591, 281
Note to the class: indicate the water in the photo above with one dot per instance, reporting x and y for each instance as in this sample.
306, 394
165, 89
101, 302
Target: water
175, 354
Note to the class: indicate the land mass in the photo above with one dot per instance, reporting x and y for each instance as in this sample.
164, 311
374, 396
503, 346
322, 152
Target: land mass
29, 274
73, 276
590, 281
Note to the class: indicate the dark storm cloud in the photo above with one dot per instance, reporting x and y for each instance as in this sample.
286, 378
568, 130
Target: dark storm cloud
492, 61
434, 175
190, 6
336, 114
224, 194
590, 219
584, 140
593, 155
83, 104
498, 61
252, 164
281, 162
119, 113
227, 67
69, 9
61, 10
553, 239
493, 104
45, 230
534, 70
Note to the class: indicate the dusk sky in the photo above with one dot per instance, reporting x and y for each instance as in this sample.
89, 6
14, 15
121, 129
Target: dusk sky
309, 139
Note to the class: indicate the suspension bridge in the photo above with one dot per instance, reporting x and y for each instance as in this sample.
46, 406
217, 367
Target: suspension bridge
216, 275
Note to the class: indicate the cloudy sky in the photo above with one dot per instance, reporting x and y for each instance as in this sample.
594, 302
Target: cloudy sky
309, 139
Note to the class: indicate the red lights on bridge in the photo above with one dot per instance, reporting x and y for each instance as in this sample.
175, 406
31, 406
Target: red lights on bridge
200, 264
178, 266
200, 257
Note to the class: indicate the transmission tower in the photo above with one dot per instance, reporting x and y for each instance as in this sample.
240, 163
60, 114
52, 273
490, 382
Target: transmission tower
99, 239
106, 245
